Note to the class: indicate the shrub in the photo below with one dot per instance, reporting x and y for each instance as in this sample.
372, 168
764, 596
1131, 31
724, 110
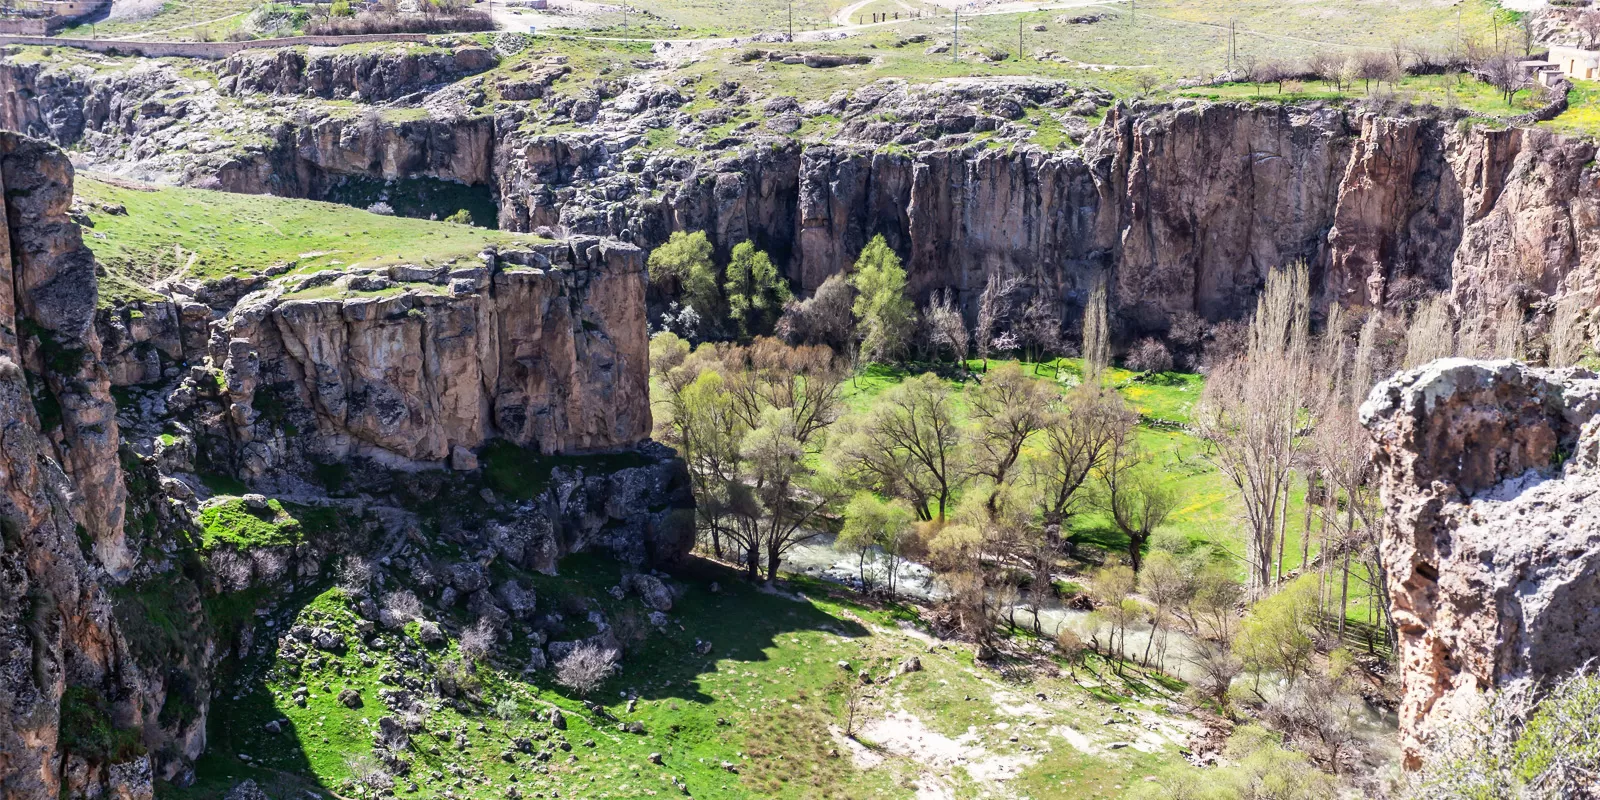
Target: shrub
478, 640
1515, 747
370, 22
585, 668
87, 730
400, 608
1150, 355
462, 217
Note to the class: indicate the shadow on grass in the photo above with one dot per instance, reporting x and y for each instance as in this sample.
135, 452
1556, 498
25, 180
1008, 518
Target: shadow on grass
691, 714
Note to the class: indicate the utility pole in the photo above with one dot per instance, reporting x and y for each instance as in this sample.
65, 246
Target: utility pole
955, 50
1020, 51
791, 20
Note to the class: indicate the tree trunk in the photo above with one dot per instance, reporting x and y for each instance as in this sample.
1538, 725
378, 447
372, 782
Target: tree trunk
1305, 535
1155, 627
774, 557
1344, 592
1283, 534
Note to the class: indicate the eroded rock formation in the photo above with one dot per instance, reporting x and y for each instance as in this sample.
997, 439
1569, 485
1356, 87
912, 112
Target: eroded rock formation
1186, 205
389, 73
61, 504
1490, 473
544, 348
109, 639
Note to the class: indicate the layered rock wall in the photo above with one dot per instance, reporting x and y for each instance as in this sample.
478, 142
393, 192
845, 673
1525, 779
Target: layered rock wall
547, 349
370, 76
1186, 206
1490, 474
62, 542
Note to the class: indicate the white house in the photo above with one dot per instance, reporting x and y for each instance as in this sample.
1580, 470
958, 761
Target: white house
1575, 62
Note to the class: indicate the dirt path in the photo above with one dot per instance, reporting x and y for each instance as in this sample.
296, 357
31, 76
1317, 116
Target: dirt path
137, 36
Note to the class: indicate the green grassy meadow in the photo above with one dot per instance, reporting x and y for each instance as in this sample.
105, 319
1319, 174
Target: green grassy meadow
766, 700
1208, 514
142, 235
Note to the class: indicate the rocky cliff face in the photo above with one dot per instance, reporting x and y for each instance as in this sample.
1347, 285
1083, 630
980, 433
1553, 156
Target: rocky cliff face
1490, 473
111, 633
61, 512
1186, 205
547, 349
154, 122
369, 76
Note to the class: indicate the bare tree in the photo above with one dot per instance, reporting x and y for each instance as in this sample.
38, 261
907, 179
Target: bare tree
1374, 66
478, 641
1589, 25
857, 695
399, 608
1328, 66
1431, 334
945, 329
1504, 71
993, 305
823, 318
1076, 440
1149, 355
1039, 330
910, 447
1249, 414
586, 668
1139, 503
1096, 333
1008, 407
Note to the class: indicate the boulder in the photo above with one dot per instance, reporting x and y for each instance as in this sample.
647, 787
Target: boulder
652, 592
468, 577
516, 599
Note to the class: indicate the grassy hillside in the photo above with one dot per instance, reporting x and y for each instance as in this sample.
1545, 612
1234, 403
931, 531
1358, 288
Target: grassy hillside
759, 714
144, 234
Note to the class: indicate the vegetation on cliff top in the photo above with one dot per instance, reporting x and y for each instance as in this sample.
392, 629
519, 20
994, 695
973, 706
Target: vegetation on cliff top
234, 521
142, 235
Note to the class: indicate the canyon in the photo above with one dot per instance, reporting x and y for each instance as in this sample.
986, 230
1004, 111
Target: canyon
121, 420
541, 348
1185, 204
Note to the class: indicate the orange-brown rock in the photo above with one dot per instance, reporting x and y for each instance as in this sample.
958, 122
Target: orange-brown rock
1490, 474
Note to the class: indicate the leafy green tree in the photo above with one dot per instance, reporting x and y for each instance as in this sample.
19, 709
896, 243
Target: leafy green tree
1277, 635
870, 521
684, 263
756, 292
911, 446
885, 315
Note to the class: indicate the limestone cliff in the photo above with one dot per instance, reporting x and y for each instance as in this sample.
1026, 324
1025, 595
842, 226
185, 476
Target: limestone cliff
1186, 205
61, 509
1490, 473
388, 73
545, 348
119, 604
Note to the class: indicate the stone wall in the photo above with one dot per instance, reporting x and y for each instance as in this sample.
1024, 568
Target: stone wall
207, 50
